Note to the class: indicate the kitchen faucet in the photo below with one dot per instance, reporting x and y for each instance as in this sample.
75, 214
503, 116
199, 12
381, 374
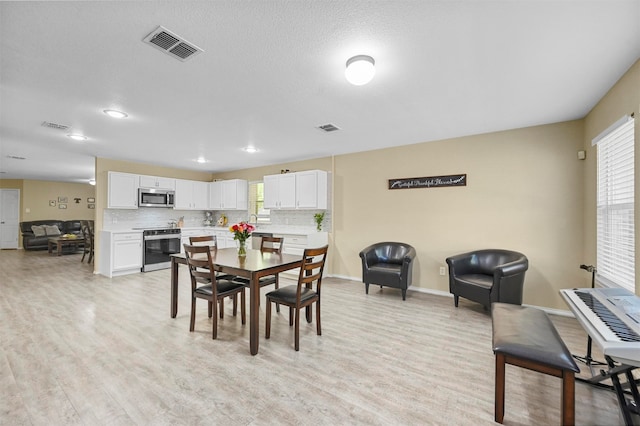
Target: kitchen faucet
253, 215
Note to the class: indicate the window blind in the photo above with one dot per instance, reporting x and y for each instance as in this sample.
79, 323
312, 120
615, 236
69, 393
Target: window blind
615, 205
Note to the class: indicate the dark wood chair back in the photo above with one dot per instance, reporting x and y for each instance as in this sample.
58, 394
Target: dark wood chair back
271, 245
206, 240
312, 268
200, 265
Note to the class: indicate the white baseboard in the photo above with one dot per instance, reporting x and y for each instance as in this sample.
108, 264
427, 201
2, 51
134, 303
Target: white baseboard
551, 311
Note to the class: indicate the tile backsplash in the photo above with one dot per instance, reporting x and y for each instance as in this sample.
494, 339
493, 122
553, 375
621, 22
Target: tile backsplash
115, 219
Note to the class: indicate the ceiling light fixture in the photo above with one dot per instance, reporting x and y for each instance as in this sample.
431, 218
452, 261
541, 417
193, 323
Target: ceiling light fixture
360, 70
251, 149
92, 181
115, 114
201, 160
77, 137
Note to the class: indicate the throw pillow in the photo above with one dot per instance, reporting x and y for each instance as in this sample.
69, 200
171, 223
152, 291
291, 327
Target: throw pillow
38, 230
51, 230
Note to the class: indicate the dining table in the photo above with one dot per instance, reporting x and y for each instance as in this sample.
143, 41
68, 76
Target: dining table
255, 265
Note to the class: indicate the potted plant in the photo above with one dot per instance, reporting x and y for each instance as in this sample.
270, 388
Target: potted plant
319, 217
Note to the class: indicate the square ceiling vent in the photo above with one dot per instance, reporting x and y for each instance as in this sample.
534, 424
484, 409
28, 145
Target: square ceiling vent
172, 44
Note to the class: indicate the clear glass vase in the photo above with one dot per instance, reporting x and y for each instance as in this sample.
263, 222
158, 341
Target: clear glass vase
242, 248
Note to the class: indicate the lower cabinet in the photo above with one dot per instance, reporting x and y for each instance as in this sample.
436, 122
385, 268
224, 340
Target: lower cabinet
224, 238
120, 253
297, 243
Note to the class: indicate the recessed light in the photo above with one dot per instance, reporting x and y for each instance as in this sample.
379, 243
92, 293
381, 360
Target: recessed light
77, 137
251, 149
201, 160
115, 114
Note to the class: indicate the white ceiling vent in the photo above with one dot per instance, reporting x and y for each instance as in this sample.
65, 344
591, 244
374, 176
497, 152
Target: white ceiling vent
328, 127
172, 44
54, 125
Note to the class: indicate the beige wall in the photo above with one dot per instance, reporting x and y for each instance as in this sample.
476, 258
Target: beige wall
622, 99
257, 173
524, 193
37, 194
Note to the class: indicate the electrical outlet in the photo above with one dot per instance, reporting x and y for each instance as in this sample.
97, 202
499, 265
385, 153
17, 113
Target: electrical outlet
443, 270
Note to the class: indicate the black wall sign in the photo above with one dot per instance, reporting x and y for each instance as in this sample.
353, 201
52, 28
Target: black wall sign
428, 182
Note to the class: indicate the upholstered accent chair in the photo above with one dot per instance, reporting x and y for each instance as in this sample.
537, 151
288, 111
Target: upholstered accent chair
487, 276
388, 264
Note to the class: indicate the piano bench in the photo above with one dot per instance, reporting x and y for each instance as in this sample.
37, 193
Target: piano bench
525, 337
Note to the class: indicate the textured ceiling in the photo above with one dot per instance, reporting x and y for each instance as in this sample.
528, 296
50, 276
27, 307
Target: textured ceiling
272, 71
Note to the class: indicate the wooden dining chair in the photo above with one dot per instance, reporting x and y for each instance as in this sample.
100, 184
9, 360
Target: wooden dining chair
212, 242
87, 234
205, 285
302, 295
268, 245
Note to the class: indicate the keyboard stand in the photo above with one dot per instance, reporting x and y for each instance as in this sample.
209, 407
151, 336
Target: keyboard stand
628, 407
587, 359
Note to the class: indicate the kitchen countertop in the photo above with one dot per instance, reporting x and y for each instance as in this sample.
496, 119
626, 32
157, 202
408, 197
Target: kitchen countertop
274, 229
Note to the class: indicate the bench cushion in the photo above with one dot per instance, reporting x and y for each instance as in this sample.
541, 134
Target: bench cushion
528, 333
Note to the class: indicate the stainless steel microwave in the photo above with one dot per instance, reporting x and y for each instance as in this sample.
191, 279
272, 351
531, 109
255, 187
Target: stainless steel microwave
149, 197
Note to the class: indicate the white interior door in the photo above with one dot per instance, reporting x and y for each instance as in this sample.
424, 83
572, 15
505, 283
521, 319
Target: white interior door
9, 218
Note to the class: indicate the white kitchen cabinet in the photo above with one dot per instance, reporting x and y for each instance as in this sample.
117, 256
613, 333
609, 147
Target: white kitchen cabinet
299, 190
122, 190
185, 234
225, 239
191, 195
157, 182
229, 194
120, 253
311, 190
297, 243
280, 191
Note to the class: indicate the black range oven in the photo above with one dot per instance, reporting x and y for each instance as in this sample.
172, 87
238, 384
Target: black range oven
158, 245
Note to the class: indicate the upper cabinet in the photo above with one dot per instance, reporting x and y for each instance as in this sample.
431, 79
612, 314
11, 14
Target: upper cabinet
229, 194
191, 195
300, 190
311, 190
123, 191
280, 191
157, 182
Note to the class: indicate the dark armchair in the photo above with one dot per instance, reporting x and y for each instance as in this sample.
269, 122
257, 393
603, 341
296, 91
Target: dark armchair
388, 264
487, 276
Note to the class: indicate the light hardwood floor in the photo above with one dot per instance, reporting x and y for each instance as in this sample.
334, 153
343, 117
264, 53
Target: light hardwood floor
79, 348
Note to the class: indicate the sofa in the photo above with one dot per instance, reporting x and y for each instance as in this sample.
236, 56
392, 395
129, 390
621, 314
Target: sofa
38, 238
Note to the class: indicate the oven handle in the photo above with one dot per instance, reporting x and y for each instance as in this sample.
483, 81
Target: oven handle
161, 237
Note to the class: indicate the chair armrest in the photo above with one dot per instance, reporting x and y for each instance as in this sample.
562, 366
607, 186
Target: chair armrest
368, 255
460, 264
408, 258
512, 268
